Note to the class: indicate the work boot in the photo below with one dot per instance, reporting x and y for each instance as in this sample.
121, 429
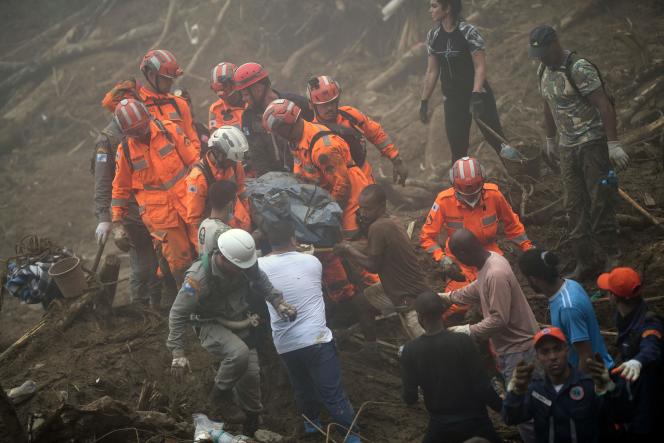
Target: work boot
584, 264
311, 429
250, 425
223, 407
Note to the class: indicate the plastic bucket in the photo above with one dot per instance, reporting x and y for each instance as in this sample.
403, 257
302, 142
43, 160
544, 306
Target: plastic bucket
68, 276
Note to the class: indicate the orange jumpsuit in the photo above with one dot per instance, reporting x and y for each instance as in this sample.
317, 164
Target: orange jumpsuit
155, 174
372, 130
223, 114
482, 220
173, 108
328, 164
197, 192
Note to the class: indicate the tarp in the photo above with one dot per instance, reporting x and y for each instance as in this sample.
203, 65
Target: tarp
279, 195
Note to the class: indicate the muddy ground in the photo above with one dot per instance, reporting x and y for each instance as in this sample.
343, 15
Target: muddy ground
46, 189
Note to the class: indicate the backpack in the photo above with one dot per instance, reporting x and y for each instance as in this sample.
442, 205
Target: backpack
569, 63
353, 136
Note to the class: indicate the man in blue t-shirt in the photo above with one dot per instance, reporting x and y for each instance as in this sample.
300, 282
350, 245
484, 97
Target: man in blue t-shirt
570, 307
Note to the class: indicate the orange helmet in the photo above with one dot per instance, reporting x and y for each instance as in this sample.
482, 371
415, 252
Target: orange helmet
222, 78
162, 62
248, 74
467, 178
280, 112
132, 117
322, 89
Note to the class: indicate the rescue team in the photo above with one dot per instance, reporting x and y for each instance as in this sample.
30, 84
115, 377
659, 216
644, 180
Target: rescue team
172, 194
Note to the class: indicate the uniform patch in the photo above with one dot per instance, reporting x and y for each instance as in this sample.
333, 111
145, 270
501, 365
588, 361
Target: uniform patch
435, 207
190, 286
102, 158
540, 397
576, 393
213, 123
649, 332
192, 189
201, 235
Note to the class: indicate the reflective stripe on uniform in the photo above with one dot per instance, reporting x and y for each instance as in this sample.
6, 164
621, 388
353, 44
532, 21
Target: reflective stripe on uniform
166, 149
119, 202
454, 224
173, 116
490, 219
434, 248
139, 164
520, 239
169, 184
310, 169
326, 140
384, 144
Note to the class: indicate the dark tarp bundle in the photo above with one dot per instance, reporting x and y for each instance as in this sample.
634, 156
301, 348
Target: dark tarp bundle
279, 195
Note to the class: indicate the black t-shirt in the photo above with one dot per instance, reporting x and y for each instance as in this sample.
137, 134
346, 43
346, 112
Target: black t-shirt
453, 50
448, 368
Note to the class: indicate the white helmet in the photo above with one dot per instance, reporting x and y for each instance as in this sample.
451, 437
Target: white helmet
229, 141
238, 247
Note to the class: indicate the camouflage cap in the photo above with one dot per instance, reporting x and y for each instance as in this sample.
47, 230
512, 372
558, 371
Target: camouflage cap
540, 39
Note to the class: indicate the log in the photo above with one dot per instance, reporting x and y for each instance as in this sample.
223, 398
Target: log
55, 56
644, 133
210, 37
294, 60
639, 208
34, 331
398, 68
631, 221
11, 423
652, 90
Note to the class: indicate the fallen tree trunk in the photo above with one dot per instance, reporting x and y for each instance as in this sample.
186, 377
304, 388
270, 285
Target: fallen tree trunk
645, 133
652, 90
56, 56
405, 62
213, 32
291, 64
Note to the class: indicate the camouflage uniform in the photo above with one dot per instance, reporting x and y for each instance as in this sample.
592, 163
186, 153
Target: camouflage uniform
584, 156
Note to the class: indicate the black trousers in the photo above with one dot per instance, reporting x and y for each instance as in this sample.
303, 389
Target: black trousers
458, 119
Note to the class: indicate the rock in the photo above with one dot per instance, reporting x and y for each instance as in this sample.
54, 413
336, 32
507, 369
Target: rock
265, 436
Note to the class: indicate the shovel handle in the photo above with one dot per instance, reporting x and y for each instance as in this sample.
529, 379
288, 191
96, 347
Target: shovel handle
100, 252
490, 130
640, 208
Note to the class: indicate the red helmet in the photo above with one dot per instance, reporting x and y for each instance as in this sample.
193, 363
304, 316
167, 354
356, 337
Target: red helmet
132, 117
322, 89
280, 112
248, 74
162, 62
221, 81
467, 177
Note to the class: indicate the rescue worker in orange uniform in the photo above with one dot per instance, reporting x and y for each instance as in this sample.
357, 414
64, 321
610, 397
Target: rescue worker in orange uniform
222, 161
323, 158
355, 127
476, 206
266, 152
153, 161
227, 111
160, 70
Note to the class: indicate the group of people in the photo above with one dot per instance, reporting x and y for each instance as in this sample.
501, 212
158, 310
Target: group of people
171, 192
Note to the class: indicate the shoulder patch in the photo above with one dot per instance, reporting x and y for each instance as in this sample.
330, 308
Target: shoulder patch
577, 393
435, 207
191, 286
102, 158
192, 189
201, 235
537, 396
649, 332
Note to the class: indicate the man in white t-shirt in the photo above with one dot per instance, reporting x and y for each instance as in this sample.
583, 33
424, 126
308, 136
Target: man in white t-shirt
305, 345
220, 195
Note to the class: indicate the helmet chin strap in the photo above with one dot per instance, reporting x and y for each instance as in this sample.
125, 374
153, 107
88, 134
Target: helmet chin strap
470, 201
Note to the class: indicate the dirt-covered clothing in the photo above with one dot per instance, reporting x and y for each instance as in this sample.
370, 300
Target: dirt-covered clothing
448, 369
396, 261
211, 294
589, 193
508, 321
577, 120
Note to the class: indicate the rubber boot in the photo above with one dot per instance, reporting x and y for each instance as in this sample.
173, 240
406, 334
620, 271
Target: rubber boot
250, 425
584, 264
223, 407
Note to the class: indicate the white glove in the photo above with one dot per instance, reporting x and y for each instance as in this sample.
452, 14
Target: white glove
630, 370
618, 156
179, 368
462, 329
102, 231
551, 148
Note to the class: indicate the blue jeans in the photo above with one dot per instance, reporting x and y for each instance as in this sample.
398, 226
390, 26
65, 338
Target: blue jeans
315, 374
